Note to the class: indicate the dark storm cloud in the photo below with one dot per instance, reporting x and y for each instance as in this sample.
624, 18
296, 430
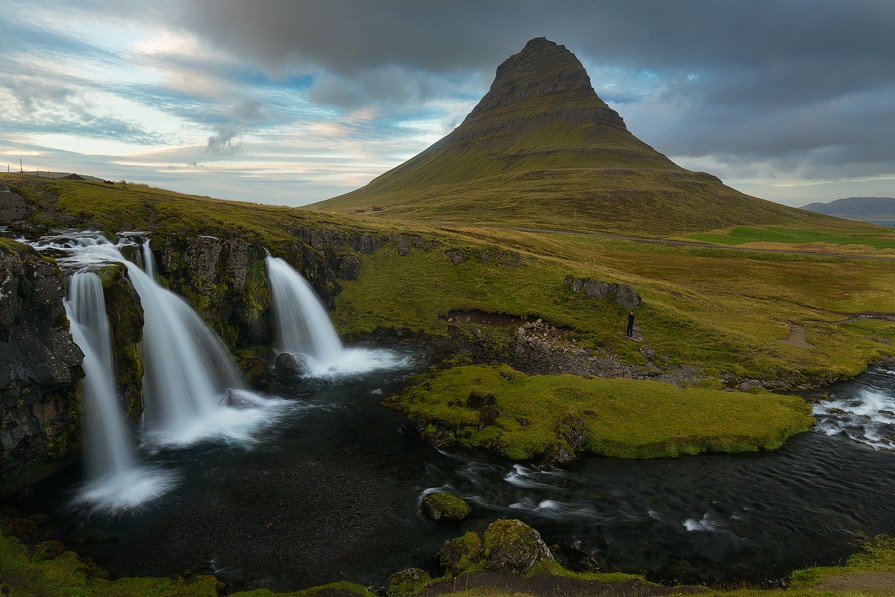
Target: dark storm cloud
763, 78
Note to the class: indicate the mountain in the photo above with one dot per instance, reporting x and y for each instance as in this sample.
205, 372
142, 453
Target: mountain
541, 149
865, 209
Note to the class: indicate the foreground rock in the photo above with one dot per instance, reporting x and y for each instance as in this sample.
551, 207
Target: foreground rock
40, 362
507, 546
445, 506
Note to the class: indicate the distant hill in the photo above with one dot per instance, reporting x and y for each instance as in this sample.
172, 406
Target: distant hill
879, 210
541, 149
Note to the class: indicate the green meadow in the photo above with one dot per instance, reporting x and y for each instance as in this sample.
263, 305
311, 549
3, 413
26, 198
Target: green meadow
527, 415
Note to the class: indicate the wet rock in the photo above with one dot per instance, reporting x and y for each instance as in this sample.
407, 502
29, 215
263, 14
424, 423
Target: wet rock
290, 366
40, 362
445, 506
513, 547
409, 581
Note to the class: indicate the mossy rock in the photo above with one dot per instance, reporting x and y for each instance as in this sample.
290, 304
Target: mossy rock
513, 547
445, 506
409, 581
460, 555
508, 546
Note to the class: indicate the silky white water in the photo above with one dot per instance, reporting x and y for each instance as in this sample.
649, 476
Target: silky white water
114, 478
303, 327
192, 391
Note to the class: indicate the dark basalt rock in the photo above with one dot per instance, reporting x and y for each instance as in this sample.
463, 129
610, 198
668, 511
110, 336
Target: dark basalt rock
290, 366
39, 362
623, 294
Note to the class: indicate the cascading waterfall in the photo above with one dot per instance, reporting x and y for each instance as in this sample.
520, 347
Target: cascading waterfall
115, 480
189, 379
303, 327
191, 387
108, 446
301, 322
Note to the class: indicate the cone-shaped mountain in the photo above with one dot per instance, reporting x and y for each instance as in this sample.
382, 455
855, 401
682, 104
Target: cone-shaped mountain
541, 149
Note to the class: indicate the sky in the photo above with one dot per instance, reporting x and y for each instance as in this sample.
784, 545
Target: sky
288, 102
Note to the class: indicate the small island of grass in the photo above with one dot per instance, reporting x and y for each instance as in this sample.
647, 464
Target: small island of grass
559, 417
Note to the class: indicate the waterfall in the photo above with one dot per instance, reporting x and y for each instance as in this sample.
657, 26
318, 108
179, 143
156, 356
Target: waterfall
302, 323
114, 479
191, 388
109, 449
189, 378
303, 327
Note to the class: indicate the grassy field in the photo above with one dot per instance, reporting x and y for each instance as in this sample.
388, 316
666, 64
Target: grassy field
717, 308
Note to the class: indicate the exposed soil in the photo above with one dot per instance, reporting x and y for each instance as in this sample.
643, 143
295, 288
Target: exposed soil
878, 582
535, 347
551, 586
798, 336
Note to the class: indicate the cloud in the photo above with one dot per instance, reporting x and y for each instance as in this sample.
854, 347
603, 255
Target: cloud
758, 92
244, 114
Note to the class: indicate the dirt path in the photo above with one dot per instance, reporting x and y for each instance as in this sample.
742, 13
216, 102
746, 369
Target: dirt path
798, 336
881, 582
493, 583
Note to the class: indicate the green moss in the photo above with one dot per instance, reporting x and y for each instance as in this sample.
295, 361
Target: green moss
336, 588
446, 506
876, 555
622, 418
408, 582
51, 570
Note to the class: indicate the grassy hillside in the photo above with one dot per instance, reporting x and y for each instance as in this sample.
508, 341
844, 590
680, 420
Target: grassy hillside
717, 308
542, 150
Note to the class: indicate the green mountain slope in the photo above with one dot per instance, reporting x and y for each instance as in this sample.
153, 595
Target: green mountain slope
541, 149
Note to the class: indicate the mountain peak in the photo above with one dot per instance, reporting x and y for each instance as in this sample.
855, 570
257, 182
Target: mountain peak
543, 70
542, 150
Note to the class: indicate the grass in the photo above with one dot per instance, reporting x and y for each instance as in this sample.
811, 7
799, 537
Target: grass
623, 418
875, 238
719, 309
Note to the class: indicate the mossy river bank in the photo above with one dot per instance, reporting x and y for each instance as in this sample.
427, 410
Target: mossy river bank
333, 490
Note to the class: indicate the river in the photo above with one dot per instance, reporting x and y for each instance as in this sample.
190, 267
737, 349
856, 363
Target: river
331, 491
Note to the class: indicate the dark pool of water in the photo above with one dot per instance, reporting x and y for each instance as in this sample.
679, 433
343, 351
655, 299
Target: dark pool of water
332, 490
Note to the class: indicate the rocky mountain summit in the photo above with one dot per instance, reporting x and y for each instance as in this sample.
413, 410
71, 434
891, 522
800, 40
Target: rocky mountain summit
543, 68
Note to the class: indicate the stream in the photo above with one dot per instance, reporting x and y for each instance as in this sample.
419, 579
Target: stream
331, 489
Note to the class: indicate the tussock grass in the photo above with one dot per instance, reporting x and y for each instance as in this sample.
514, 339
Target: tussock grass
624, 418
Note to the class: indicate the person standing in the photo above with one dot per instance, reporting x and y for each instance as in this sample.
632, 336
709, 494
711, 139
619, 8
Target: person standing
630, 330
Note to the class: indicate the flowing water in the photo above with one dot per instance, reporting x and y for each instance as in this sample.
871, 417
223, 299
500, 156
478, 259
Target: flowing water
114, 479
330, 489
332, 492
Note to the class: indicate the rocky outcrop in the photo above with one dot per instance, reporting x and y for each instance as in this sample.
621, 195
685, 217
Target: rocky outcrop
543, 68
224, 279
507, 546
126, 324
13, 207
622, 294
39, 362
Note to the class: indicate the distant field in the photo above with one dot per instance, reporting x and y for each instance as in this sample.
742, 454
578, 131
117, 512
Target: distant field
879, 239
